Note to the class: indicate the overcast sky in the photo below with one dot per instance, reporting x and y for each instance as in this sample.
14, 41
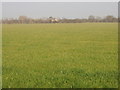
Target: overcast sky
59, 9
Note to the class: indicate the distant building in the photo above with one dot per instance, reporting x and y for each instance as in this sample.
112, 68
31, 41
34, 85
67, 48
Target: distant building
53, 20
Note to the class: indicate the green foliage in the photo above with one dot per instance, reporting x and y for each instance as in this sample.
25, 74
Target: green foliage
60, 55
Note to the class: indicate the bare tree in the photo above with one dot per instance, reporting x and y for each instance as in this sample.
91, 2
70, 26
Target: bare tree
98, 19
23, 19
91, 18
26, 20
109, 18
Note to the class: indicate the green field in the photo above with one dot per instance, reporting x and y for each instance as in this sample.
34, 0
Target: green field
60, 55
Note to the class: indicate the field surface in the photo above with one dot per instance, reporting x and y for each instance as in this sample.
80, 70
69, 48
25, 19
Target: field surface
60, 55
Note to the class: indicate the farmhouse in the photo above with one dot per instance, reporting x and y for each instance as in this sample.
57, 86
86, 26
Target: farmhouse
53, 20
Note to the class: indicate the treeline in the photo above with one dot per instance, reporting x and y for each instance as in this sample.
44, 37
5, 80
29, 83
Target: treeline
26, 20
